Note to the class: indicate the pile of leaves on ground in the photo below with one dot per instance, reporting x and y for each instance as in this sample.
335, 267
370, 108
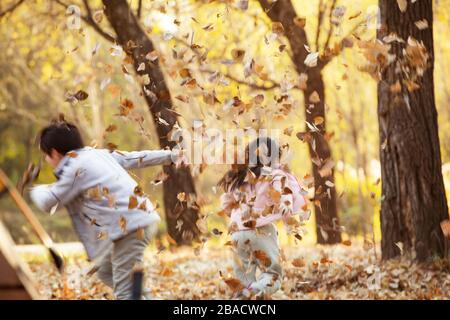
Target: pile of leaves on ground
343, 271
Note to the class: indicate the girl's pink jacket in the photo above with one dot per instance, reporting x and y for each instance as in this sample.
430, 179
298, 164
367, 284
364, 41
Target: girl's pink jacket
236, 202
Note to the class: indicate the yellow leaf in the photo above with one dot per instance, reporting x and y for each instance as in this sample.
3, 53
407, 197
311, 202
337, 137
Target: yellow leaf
402, 5
318, 120
314, 97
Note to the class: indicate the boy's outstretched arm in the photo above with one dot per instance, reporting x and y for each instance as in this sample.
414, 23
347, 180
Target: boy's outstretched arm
63, 191
144, 158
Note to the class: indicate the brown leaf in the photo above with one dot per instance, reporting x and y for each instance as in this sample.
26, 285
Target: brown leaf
72, 154
251, 224
140, 234
237, 55
300, 22
347, 243
133, 202
277, 27
123, 224
234, 284
81, 95
262, 257
111, 128
298, 262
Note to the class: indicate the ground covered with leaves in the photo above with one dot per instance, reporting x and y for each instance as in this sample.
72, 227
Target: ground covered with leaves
311, 272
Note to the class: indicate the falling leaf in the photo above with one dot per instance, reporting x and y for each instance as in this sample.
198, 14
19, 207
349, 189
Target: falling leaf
132, 202
396, 87
111, 128
422, 24
166, 272
298, 262
111, 146
347, 243
126, 105
445, 226
242, 4
319, 120
80, 95
181, 196
72, 154
314, 97
330, 184
138, 191
288, 131
400, 246
251, 224
326, 168
367, 245
262, 257
402, 5
311, 59
140, 234
152, 56
141, 67
237, 55
277, 28
303, 81
102, 235
98, 16
300, 22
123, 224
234, 284
356, 15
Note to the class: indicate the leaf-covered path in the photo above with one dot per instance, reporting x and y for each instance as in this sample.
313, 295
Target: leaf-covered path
312, 272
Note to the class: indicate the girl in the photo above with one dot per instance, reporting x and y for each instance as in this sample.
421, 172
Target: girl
257, 194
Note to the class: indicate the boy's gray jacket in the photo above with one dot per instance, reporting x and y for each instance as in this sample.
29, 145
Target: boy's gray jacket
100, 195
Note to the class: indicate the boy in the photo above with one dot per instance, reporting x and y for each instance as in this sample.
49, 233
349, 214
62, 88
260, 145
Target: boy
112, 216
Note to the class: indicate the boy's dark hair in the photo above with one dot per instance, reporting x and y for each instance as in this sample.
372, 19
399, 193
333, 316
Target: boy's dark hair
61, 136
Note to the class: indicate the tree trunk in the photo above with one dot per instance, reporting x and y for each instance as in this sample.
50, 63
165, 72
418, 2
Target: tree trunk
327, 223
413, 195
137, 45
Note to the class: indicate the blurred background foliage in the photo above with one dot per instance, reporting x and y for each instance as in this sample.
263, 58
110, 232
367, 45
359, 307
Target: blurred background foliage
42, 60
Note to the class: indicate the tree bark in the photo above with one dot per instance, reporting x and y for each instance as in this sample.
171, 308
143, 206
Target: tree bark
413, 196
137, 45
325, 208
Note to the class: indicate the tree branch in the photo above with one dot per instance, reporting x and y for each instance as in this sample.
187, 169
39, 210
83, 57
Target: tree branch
325, 61
273, 84
89, 20
319, 24
11, 8
139, 10
199, 55
330, 31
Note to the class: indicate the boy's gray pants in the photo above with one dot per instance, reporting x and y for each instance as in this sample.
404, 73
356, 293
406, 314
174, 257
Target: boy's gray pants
263, 239
116, 268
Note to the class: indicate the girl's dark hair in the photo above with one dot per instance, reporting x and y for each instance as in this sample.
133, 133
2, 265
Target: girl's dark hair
255, 159
61, 136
